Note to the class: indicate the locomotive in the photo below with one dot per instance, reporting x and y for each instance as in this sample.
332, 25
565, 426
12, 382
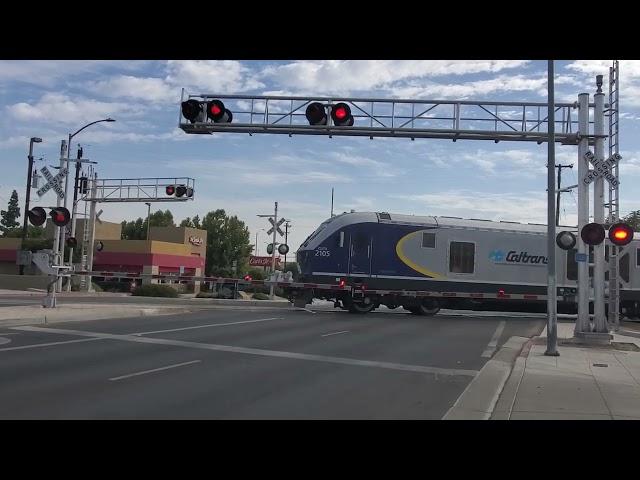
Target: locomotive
467, 264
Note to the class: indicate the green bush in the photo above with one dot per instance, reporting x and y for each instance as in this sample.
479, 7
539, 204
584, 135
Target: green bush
155, 291
114, 286
207, 295
260, 296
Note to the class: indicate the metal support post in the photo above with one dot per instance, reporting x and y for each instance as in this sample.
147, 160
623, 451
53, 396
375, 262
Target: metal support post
92, 231
582, 322
73, 214
600, 320
58, 231
26, 202
552, 320
273, 250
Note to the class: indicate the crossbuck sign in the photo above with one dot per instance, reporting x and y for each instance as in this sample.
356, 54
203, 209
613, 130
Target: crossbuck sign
52, 182
277, 227
601, 168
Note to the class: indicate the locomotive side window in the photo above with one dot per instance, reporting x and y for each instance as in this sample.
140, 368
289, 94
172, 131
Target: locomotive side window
341, 239
624, 267
461, 257
572, 265
428, 240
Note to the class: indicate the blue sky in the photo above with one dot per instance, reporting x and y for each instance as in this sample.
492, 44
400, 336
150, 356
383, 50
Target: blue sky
245, 175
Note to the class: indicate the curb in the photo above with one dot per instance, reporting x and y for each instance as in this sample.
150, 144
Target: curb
479, 399
59, 317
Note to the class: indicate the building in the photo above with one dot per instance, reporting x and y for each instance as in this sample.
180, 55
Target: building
169, 250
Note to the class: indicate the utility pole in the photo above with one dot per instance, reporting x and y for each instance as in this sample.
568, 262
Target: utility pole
331, 202
559, 167
286, 234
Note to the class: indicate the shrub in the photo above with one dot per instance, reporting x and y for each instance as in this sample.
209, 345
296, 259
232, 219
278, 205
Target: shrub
154, 290
260, 296
207, 295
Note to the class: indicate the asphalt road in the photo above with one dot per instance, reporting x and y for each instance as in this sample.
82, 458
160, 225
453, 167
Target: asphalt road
235, 364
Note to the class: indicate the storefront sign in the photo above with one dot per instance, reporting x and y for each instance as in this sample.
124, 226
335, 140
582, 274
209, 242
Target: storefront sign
262, 261
197, 241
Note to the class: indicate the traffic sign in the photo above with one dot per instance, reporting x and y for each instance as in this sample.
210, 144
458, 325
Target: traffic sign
581, 257
52, 182
277, 227
601, 168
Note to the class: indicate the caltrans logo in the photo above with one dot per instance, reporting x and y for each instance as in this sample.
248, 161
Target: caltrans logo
515, 257
497, 256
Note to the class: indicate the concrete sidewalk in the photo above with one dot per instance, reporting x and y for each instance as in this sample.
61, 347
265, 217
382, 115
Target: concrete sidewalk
584, 382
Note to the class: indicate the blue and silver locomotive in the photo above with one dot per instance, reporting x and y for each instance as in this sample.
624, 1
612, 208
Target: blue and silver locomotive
473, 260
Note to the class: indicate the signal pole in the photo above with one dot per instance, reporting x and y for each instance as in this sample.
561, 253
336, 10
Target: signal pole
59, 230
28, 195
559, 167
552, 320
273, 250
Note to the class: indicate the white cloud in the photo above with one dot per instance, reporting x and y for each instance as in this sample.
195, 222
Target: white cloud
212, 76
526, 207
48, 72
144, 88
341, 76
60, 108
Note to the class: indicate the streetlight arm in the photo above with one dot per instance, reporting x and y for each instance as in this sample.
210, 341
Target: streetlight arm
89, 124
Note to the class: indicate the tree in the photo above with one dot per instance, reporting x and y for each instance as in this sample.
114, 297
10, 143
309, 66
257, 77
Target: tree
633, 219
137, 230
195, 223
227, 241
10, 215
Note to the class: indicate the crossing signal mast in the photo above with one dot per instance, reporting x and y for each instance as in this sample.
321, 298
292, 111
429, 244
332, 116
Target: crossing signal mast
550, 122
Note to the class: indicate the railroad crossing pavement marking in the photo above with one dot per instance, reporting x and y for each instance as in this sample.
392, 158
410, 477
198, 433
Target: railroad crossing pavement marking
144, 372
334, 333
493, 344
209, 325
256, 351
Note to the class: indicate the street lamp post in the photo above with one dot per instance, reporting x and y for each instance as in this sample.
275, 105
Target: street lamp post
73, 210
148, 215
28, 195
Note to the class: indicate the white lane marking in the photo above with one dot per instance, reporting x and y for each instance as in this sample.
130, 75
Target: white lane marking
494, 340
209, 325
4, 334
4, 340
259, 352
334, 333
144, 372
37, 345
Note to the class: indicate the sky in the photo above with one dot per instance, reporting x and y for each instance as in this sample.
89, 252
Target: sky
245, 175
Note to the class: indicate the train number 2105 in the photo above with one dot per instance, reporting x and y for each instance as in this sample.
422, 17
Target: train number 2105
323, 253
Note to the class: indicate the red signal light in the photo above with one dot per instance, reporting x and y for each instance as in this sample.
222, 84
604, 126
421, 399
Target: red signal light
60, 216
620, 234
171, 189
342, 283
217, 112
341, 115
248, 278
